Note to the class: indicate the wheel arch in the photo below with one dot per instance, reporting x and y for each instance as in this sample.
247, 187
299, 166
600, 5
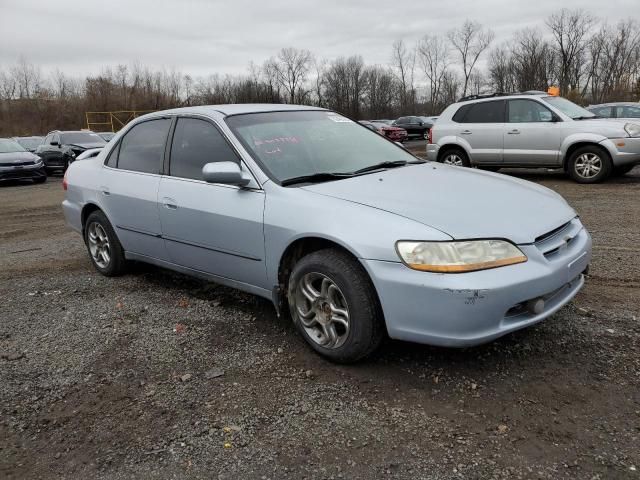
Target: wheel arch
87, 210
452, 145
571, 146
295, 250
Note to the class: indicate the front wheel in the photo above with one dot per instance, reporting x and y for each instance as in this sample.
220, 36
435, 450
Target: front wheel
590, 164
104, 248
334, 306
456, 157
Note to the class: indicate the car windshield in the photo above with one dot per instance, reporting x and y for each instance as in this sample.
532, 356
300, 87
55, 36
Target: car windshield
569, 108
10, 146
29, 142
81, 137
297, 144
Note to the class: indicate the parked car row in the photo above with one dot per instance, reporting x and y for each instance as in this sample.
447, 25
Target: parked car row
34, 157
534, 129
348, 233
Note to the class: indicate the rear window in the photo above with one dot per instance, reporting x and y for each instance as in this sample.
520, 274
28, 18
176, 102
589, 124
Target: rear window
484, 112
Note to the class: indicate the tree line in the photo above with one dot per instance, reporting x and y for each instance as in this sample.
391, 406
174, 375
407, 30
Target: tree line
589, 60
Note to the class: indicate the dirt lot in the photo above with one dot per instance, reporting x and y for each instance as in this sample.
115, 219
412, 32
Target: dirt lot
154, 375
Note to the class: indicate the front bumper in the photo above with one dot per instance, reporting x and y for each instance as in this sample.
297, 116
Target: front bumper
27, 172
624, 151
432, 152
459, 310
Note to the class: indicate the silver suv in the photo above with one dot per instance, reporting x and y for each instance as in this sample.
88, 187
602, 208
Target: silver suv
534, 129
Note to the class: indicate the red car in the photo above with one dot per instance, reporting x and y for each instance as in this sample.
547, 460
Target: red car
395, 134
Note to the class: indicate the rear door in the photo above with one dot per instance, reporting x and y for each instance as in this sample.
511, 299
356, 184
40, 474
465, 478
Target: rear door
531, 136
212, 228
129, 189
481, 129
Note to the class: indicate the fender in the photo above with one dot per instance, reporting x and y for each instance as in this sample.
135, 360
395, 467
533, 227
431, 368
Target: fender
582, 137
450, 140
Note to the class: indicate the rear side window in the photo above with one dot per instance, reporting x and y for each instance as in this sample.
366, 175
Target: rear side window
142, 148
195, 143
485, 112
602, 111
628, 111
461, 113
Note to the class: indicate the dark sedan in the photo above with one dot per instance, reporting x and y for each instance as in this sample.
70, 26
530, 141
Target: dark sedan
59, 149
416, 127
18, 164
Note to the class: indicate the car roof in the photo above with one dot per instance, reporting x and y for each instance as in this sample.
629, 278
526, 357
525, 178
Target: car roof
237, 109
611, 104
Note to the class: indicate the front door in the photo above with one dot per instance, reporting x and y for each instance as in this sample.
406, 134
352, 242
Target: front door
212, 228
531, 136
129, 187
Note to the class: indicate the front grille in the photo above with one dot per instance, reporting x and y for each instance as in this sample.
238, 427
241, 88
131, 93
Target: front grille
19, 174
20, 164
558, 239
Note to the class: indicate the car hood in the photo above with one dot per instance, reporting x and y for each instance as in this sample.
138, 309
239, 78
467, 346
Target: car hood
17, 157
87, 145
461, 202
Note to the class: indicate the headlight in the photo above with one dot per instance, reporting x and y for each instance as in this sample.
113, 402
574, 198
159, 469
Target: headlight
632, 129
458, 257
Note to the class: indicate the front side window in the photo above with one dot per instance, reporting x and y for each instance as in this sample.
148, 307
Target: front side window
605, 112
485, 112
295, 144
142, 148
195, 143
528, 111
629, 111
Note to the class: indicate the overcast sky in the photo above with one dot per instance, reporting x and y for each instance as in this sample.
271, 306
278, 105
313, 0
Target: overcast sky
206, 36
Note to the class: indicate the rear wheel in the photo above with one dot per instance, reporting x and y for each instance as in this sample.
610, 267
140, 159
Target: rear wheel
104, 248
334, 306
589, 164
455, 156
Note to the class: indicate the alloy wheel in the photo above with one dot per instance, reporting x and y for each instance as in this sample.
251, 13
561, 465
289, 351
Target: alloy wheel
322, 310
588, 165
99, 245
453, 159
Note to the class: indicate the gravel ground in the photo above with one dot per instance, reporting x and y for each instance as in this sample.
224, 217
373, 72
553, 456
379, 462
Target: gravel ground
155, 375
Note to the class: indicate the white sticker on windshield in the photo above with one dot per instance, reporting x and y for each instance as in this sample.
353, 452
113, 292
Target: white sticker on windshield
338, 118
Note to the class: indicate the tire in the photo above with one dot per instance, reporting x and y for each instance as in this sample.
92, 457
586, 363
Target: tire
96, 227
337, 283
455, 156
583, 162
620, 171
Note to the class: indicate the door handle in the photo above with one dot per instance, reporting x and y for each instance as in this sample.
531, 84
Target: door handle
170, 203
465, 132
514, 132
105, 191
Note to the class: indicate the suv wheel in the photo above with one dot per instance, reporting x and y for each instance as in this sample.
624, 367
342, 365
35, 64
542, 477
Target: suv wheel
590, 164
334, 306
455, 156
105, 250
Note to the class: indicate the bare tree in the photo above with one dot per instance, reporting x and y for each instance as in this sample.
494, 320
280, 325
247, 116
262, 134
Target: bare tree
291, 67
570, 30
434, 56
404, 60
470, 41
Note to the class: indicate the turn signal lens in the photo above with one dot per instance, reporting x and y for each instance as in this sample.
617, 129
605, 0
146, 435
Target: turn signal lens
459, 257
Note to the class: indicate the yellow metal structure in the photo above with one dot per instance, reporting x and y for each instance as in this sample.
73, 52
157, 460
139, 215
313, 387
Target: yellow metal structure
113, 121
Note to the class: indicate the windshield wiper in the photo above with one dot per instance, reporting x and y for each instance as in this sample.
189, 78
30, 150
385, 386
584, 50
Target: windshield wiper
315, 177
381, 165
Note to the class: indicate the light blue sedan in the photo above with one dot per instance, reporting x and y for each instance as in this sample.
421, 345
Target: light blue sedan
349, 233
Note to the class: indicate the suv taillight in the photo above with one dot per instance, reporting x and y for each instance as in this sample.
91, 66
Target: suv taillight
65, 185
430, 136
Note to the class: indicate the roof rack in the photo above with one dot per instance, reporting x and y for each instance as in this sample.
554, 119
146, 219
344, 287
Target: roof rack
500, 94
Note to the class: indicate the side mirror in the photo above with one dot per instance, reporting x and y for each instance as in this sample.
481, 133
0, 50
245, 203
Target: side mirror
227, 173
